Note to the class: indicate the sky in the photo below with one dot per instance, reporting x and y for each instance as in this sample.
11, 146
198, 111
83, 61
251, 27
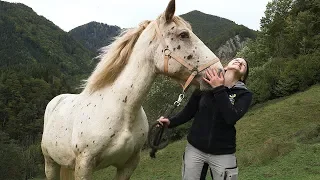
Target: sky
68, 14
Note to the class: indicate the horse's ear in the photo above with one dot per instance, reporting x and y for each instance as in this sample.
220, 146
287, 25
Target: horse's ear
171, 8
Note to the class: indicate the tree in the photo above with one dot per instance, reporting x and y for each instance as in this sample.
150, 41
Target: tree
11, 159
273, 24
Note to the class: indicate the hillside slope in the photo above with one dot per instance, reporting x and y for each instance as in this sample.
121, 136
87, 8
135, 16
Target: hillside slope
271, 138
38, 61
27, 39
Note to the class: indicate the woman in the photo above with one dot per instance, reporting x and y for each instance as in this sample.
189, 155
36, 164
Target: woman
212, 137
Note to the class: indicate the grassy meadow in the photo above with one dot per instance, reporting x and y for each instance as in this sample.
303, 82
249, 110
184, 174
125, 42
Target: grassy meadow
276, 140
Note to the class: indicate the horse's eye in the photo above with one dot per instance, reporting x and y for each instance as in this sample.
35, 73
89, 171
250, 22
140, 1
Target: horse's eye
184, 35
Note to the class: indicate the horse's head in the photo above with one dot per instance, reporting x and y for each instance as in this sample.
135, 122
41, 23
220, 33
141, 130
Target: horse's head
180, 51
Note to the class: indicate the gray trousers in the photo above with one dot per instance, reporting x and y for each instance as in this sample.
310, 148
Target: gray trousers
223, 167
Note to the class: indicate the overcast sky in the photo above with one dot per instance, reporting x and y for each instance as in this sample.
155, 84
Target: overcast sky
68, 14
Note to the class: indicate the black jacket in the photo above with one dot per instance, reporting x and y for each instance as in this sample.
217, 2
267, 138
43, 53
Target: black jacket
215, 113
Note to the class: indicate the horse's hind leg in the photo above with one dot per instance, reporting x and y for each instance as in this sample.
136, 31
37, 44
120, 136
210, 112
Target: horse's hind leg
125, 172
52, 169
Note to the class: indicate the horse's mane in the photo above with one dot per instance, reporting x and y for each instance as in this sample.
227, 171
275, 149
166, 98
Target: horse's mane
116, 56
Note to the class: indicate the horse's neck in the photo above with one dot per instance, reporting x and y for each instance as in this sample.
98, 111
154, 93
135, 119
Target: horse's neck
136, 79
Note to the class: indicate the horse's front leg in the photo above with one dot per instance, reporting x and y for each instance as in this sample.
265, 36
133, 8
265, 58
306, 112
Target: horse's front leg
125, 172
84, 168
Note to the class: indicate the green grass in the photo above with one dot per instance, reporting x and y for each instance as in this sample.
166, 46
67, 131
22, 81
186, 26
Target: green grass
303, 163
277, 140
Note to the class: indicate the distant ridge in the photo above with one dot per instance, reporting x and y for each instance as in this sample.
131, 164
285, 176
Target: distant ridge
95, 35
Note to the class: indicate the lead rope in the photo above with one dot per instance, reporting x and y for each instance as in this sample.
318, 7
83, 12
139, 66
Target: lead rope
156, 143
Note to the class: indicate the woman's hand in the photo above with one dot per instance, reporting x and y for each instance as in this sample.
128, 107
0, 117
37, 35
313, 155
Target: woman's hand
213, 78
164, 121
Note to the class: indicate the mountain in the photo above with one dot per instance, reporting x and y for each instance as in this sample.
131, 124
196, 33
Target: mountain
207, 26
38, 61
29, 39
221, 35
95, 35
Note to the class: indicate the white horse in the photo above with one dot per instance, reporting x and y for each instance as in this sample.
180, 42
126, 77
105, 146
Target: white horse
105, 125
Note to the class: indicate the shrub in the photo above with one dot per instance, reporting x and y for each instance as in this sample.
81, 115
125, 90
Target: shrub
284, 76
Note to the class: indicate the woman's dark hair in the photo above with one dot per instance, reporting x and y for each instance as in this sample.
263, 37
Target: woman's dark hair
245, 76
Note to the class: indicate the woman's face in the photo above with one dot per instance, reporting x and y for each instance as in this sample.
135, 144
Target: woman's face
238, 64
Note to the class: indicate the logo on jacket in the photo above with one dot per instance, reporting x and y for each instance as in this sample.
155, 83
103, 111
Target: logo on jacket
231, 98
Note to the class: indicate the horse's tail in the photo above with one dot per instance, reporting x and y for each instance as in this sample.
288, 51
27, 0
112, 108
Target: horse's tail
66, 174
